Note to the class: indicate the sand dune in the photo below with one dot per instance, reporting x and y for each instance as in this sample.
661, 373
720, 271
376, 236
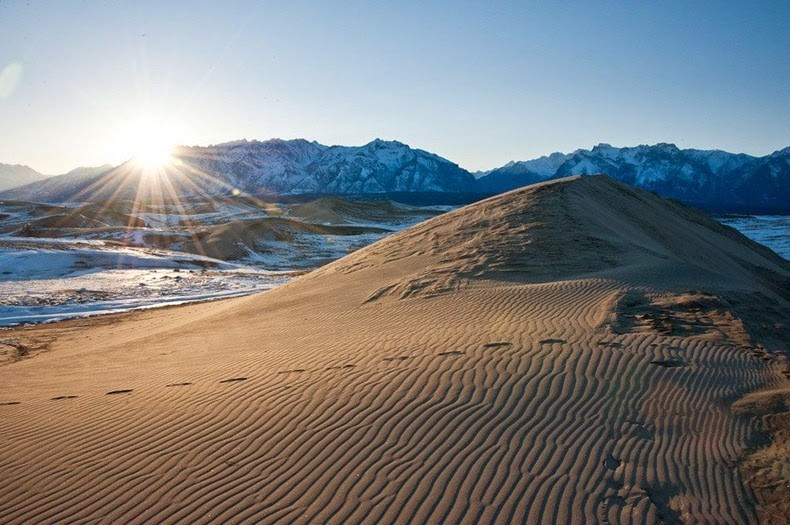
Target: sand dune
236, 239
568, 352
334, 210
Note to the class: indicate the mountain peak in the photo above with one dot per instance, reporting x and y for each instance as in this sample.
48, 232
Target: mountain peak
381, 143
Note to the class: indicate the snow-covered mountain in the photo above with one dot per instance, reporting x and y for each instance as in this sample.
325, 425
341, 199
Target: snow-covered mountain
270, 167
383, 166
712, 179
299, 166
13, 175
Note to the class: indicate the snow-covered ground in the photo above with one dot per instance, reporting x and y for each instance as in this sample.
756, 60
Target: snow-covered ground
770, 230
24, 258
109, 291
51, 279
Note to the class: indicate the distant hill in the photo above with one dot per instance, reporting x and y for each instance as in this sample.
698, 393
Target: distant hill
53, 189
711, 179
13, 175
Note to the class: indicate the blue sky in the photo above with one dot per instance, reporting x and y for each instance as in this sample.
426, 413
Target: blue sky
476, 83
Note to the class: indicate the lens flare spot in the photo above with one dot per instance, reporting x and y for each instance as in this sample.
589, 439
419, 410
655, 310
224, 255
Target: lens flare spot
10, 76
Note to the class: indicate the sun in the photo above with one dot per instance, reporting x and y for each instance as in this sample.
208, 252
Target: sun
149, 141
153, 153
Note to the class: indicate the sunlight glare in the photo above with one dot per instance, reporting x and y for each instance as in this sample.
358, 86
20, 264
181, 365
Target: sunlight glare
150, 141
152, 153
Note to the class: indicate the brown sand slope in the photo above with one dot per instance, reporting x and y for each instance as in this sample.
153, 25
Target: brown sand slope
563, 353
335, 210
236, 239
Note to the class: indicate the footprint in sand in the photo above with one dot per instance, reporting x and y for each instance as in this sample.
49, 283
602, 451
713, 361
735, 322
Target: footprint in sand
7, 403
58, 398
233, 380
613, 484
179, 384
611, 462
642, 432
496, 345
669, 363
608, 502
115, 392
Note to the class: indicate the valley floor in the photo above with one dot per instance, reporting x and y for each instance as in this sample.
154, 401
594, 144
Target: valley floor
60, 262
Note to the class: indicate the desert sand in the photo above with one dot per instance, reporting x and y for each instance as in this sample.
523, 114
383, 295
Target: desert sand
568, 352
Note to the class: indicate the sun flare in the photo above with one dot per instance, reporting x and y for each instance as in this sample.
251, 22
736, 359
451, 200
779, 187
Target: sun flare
153, 155
150, 143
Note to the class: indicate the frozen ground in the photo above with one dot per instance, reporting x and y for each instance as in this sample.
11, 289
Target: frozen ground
51, 279
770, 230
108, 291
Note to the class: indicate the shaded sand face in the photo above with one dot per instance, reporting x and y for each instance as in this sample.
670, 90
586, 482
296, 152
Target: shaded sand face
544, 356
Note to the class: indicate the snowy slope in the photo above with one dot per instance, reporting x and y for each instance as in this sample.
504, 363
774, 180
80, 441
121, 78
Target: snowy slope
383, 166
251, 166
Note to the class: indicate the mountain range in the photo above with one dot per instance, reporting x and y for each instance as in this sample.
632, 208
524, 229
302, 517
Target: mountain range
711, 179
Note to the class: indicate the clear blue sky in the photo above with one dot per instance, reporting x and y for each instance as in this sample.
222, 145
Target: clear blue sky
478, 84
